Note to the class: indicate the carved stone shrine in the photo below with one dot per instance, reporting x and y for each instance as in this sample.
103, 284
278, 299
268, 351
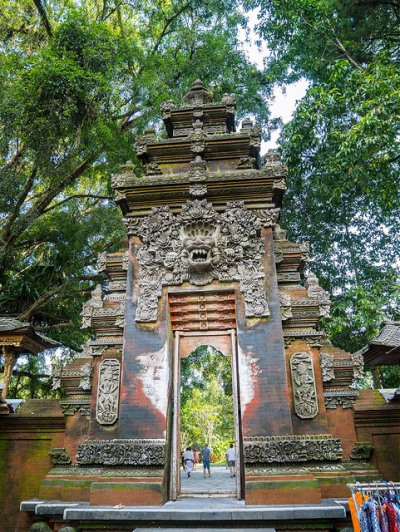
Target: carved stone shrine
206, 263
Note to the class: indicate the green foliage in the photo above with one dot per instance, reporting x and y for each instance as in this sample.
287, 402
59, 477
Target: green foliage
206, 401
31, 377
343, 151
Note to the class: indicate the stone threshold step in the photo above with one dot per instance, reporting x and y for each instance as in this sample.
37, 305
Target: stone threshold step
217, 495
187, 511
211, 529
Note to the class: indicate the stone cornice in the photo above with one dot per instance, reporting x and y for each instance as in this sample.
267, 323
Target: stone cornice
17, 424
130, 180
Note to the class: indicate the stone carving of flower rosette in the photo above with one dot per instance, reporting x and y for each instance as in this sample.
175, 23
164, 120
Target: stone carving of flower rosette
87, 453
252, 453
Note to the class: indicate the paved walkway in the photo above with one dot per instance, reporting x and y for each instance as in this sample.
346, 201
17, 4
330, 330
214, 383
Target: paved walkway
220, 484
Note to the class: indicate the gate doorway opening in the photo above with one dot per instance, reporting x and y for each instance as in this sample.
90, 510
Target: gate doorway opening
206, 410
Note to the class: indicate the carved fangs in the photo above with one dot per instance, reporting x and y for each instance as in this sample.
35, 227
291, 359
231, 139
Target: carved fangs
200, 255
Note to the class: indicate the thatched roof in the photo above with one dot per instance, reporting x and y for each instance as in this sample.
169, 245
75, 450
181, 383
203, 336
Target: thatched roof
23, 337
384, 348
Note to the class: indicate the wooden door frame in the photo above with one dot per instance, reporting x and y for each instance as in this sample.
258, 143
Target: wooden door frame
175, 457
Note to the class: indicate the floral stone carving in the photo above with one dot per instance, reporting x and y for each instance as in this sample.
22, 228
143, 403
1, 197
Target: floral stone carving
358, 365
286, 449
362, 450
59, 457
108, 392
303, 383
340, 397
285, 303
327, 369
200, 245
84, 373
122, 452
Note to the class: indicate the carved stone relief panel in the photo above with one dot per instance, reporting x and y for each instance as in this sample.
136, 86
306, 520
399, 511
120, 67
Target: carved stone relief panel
285, 303
59, 457
268, 217
317, 293
198, 190
200, 245
362, 450
358, 365
326, 363
108, 392
95, 302
83, 373
122, 452
71, 405
198, 169
287, 449
303, 384
343, 397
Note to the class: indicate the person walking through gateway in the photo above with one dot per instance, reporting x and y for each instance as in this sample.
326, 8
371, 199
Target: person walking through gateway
206, 454
189, 459
231, 459
196, 460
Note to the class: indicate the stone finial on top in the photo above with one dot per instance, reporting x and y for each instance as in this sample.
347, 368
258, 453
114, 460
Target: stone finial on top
279, 233
315, 291
198, 94
271, 157
247, 124
230, 101
166, 108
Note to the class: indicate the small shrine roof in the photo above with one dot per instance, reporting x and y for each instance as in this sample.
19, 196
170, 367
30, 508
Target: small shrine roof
11, 324
384, 348
23, 336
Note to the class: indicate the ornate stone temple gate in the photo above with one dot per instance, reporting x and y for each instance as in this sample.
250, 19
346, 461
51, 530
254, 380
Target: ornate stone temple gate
206, 263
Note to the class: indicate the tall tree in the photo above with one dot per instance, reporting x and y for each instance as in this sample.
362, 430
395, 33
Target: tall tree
78, 82
343, 150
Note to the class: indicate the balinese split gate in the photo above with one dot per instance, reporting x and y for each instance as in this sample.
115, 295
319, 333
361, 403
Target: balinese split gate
206, 263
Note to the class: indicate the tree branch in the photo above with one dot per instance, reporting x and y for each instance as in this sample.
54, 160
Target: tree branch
48, 296
112, 11
13, 216
96, 196
14, 159
24, 373
336, 43
12, 233
43, 17
27, 314
63, 325
167, 23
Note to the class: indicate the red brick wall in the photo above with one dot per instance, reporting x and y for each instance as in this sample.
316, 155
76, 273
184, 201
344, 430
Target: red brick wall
25, 443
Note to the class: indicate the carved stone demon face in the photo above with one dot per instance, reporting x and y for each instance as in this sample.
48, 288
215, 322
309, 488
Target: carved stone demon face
199, 241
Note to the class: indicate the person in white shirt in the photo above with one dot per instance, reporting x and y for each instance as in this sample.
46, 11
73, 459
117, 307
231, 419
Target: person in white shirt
231, 459
188, 459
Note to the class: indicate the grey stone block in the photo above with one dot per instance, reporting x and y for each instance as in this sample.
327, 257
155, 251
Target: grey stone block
29, 506
56, 507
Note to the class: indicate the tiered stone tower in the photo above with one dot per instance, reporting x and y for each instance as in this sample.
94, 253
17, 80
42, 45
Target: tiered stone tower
206, 263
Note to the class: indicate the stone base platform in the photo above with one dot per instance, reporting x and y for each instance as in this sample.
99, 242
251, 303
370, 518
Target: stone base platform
190, 514
105, 486
304, 485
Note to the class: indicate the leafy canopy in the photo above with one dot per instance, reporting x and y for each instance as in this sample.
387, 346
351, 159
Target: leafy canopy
342, 148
